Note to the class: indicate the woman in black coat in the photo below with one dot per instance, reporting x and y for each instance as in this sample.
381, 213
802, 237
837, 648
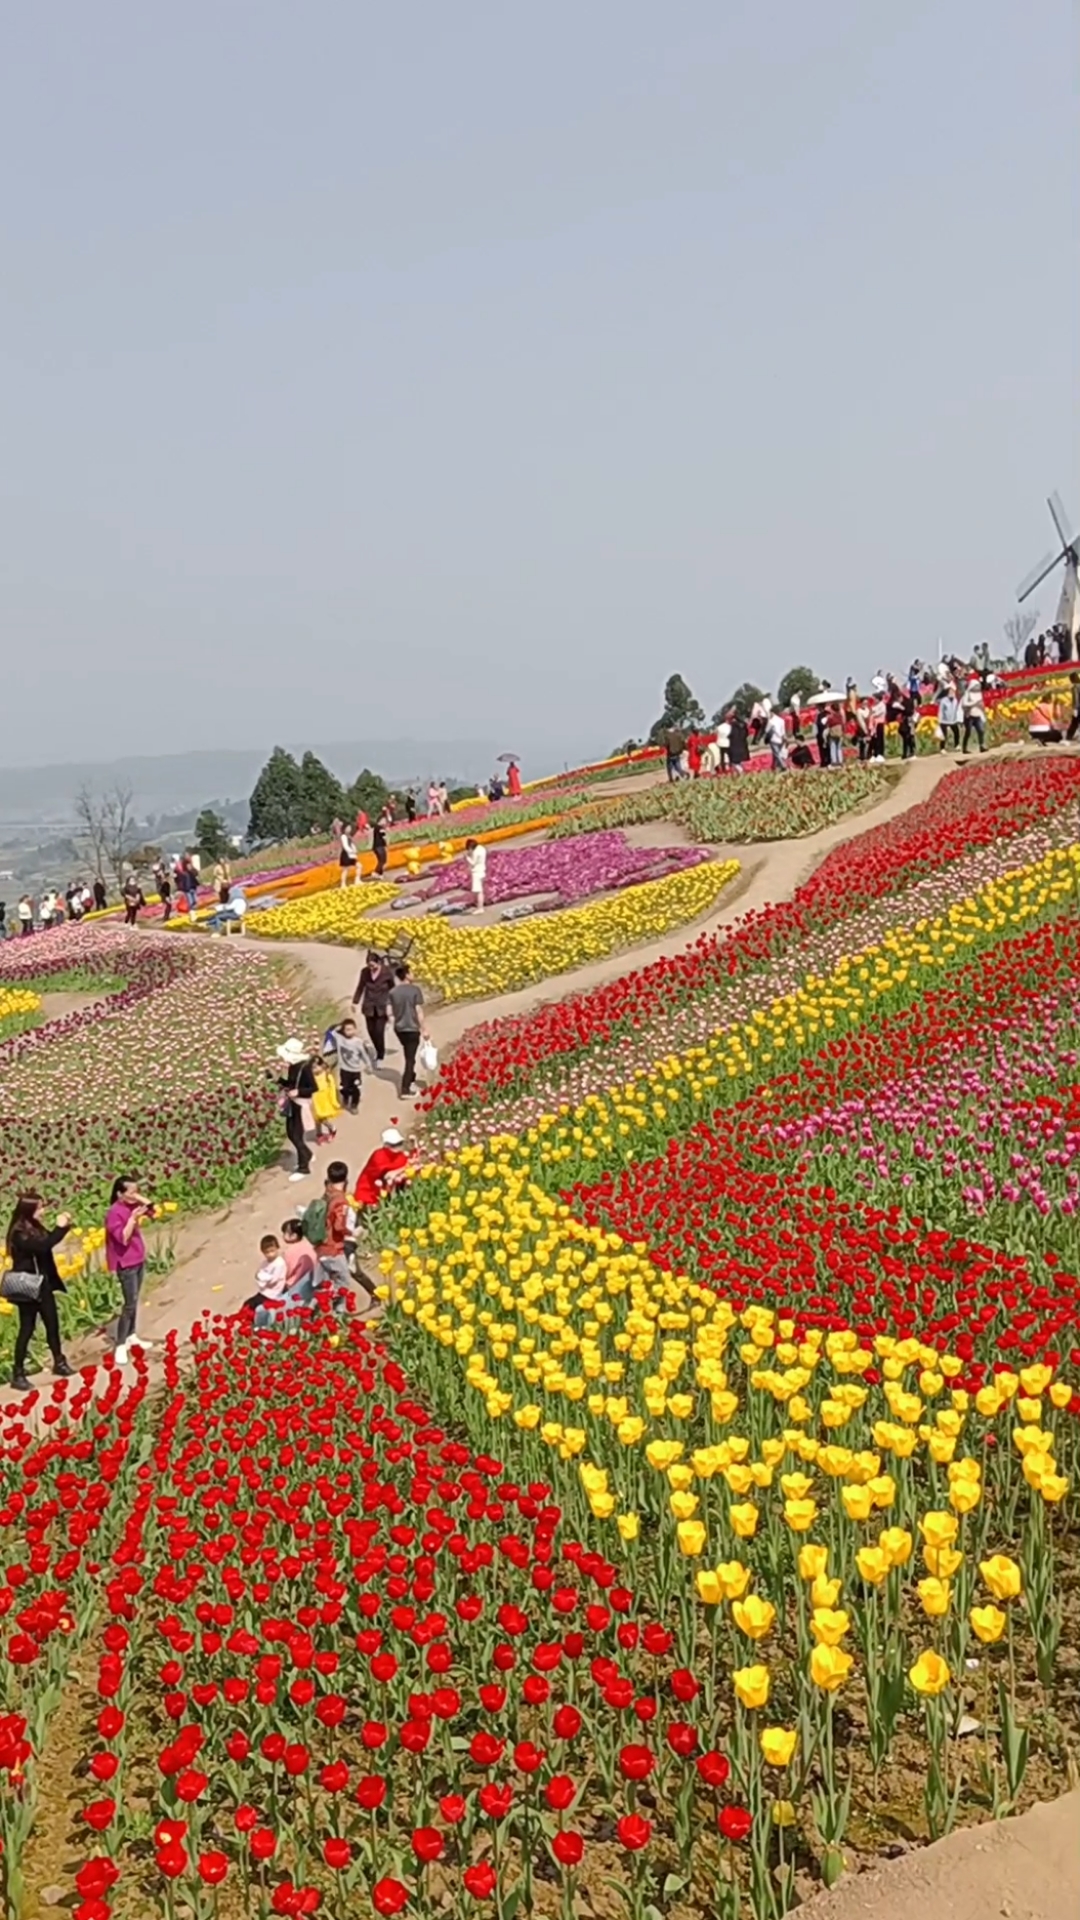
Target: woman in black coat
30, 1246
739, 745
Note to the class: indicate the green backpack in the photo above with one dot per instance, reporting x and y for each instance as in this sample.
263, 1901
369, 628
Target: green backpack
313, 1220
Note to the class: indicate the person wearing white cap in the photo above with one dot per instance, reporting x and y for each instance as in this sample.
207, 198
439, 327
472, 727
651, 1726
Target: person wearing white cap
383, 1170
297, 1093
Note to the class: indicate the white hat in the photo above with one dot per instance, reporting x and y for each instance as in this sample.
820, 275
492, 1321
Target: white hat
293, 1052
392, 1138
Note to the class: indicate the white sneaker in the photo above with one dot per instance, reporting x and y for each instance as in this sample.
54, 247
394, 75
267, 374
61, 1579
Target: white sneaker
144, 1346
298, 1176
120, 1355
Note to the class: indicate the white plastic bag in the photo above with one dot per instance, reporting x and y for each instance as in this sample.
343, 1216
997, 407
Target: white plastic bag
428, 1057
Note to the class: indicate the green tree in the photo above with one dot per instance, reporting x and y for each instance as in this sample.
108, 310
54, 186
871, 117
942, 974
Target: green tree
368, 791
742, 700
681, 709
212, 835
797, 680
274, 810
322, 796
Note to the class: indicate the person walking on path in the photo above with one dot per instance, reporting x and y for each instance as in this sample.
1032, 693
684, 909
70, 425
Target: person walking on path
974, 712
949, 713
326, 1226
125, 1255
101, 897
372, 996
133, 900
378, 847
476, 861
297, 1093
31, 1248
164, 887
25, 912
407, 1007
739, 745
347, 858
776, 741
349, 1053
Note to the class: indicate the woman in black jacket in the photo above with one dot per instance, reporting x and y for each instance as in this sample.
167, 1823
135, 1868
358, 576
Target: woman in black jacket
30, 1247
297, 1093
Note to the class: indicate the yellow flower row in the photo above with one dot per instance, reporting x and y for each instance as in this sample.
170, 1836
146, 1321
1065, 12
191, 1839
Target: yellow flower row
463, 961
335, 914
17, 1000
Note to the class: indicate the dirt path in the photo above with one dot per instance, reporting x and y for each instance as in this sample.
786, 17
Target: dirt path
1025, 1869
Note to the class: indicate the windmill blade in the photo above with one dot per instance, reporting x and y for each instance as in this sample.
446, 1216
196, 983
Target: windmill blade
1060, 519
1037, 575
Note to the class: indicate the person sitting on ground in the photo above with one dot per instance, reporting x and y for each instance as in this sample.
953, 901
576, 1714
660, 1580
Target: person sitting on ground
383, 1170
272, 1278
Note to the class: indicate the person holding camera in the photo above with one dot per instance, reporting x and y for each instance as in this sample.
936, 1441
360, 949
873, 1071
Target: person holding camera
125, 1256
33, 1283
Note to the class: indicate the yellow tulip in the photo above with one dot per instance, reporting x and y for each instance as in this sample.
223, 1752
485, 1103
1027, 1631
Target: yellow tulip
873, 1564
710, 1592
938, 1529
753, 1616
800, 1514
829, 1667
691, 1537
824, 1592
930, 1675
828, 1626
858, 1502
744, 1519
897, 1543
1002, 1576
964, 1495
683, 1505
734, 1579
628, 1525
942, 1562
988, 1624
751, 1685
777, 1745
783, 1813
934, 1597
813, 1561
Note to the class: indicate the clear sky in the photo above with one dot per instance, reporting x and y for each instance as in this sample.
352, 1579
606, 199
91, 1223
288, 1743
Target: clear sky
463, 369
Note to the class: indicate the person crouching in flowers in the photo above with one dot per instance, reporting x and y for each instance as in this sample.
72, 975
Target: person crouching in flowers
125, 1256
31, 1250
383, 1170
271, 1280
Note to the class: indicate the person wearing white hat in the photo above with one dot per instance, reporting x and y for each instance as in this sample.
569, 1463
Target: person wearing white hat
383, 1170
297, 1093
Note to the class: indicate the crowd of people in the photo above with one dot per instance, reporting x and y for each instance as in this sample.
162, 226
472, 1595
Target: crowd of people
823, 729
314, 1252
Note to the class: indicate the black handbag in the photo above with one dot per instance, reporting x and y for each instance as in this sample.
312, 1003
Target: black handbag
21, 1288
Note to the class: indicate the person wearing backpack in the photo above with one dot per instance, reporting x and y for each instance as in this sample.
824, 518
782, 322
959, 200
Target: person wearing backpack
326, 1225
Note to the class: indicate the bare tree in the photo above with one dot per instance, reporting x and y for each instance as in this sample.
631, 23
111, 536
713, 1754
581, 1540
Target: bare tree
1019, 628
119, 829
92, 831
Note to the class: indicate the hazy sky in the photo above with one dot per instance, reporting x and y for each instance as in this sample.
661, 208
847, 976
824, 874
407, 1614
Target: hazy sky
461, 369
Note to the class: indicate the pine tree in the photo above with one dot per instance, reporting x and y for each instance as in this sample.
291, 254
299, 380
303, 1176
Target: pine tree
322, 796
274, 810
681, 709
212, 835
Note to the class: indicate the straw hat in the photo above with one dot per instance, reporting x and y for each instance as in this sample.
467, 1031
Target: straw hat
293, 1052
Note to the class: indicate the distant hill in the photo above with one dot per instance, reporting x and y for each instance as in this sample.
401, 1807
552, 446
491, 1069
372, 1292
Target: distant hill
176, 782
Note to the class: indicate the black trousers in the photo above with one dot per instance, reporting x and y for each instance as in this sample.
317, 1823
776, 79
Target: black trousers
294, 1127
410, 1046
376, 1026
30, 1312
907, 740
350, 1090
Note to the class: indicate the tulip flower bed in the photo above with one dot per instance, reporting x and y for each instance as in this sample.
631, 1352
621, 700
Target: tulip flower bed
166, 1073
735, 809
465, 961
979, 821
596, 863
19, 1009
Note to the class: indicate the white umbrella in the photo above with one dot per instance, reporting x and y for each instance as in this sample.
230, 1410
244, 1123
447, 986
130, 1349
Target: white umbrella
827, 697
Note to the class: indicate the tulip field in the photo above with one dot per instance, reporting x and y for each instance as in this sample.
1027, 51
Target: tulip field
736, 808
698, 1523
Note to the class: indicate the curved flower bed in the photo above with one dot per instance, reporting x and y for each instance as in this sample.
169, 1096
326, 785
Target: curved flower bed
597, 863
166, 1075
734, 809
983, 806
462, 961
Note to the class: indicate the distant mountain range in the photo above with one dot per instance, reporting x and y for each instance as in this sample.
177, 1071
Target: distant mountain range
174, 782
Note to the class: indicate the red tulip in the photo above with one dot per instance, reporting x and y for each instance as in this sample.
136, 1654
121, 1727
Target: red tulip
635, 1762
427, 1843
337, 1854
734, 1823
213, 1867
389, 1896
634, 1832
479, 1880
568, 1848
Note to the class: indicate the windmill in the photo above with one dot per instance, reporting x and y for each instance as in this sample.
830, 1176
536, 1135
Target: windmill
1069, 551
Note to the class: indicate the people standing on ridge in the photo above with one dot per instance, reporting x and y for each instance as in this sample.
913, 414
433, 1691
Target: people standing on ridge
347, 860
739, 746
101, 897
25, 912
132, 896
164, 888
378, 846
974, 711
513, 780
476, 861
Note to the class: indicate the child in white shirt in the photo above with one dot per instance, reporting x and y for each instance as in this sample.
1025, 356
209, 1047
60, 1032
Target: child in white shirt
476, 861
272, 1278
